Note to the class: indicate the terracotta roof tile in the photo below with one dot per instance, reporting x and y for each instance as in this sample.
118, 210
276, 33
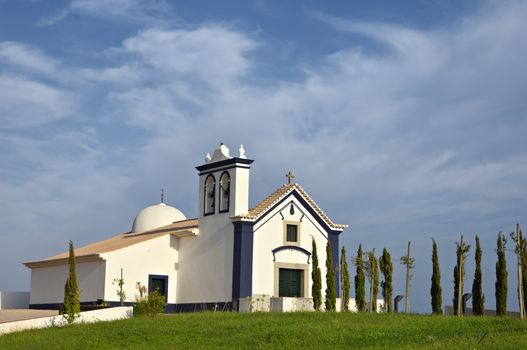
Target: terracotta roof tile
122, 240
276, 196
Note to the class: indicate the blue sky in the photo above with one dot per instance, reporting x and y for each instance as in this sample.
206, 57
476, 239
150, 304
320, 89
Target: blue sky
405, 120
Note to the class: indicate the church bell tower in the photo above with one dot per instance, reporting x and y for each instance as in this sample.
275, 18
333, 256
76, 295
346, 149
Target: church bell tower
224, 184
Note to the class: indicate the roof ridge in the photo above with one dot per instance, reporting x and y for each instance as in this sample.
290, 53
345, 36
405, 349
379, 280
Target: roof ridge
121, 240
318, 209
262, 207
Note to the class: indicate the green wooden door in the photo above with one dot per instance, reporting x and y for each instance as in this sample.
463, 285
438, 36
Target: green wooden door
290, 283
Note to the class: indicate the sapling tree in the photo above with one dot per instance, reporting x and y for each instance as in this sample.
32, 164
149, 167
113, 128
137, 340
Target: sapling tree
316, 276
462, 249
409, 262
524, 272
519, 249
435, 289
360, 288
386, 266
71, 290
120, 292
345, 281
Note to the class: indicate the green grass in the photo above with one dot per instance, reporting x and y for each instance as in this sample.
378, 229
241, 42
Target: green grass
281, 331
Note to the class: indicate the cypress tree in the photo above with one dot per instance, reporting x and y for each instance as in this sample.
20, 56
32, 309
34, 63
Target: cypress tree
345, 280
478, 298
331, 293
316, 276
373, 268
385, 262
360, 289
456, 290
435, 290
501, 277
71, 290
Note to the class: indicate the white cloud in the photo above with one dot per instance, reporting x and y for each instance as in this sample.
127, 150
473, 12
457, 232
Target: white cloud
50, 20
26, 57
124, 75
24, 102
216, 55
141, 11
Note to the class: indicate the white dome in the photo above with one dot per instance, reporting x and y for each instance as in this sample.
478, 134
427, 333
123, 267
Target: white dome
156, 216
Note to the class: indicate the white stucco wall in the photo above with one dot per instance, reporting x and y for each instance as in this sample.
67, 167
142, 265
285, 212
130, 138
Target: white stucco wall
240, 191
269, 234
47, 283
158, 256
205, 262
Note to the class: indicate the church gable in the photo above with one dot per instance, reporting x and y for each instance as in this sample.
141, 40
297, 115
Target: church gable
284, 195
273, 244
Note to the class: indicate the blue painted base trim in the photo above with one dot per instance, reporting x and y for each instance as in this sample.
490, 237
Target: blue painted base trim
169, 308
59, 306
199, 307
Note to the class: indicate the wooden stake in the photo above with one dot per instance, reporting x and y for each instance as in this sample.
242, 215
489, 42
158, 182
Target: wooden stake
519, 247
407, 306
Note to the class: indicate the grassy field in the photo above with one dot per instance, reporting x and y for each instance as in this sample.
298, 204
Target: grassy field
281, 331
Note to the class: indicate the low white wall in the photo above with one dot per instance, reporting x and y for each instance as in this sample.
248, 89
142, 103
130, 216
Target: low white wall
255, 303
14, 300
285, 304
353, 307
110, 314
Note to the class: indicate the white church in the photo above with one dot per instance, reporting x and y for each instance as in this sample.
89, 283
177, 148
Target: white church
230, 257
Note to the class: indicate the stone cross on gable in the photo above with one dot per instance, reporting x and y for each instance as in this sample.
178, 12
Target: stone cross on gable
290, 177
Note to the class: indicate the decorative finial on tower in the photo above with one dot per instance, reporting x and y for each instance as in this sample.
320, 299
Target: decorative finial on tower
290, 176
162, 196
220, 153
242, 152
207, 158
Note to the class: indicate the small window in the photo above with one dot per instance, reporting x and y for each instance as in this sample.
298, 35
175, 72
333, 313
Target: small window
225, 190
292, 233
210, 194
159, 283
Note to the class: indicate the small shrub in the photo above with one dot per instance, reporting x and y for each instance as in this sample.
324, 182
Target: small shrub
150, 305
103, 303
